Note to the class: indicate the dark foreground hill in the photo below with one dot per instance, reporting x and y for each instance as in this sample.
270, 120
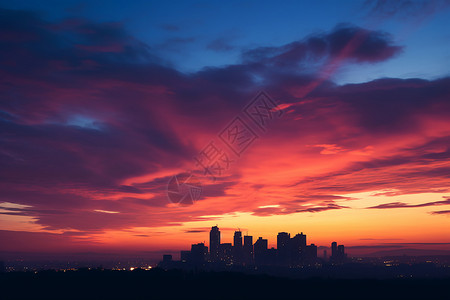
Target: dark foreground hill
160, 284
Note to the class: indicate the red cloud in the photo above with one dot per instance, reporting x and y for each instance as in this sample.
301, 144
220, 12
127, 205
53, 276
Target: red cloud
405, 205
77, 135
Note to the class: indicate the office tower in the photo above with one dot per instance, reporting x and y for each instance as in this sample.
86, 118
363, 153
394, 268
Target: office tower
198, 253
248, 250
214, 242
167, 257
325, 254
260, 250
237, 247
283, 248
226, 253
303, 240
297, 249
333, 250
311, 254
341, 253
248, 241
337, 253
237, 239
283, 239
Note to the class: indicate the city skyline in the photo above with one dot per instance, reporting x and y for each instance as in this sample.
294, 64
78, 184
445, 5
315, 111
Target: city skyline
132, 127
290, 252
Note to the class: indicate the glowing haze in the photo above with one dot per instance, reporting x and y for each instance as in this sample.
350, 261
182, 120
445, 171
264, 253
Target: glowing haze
95, 120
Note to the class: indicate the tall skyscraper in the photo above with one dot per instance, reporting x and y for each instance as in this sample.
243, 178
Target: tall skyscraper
248, 250
333, 250
283, 240
260, 249
311, 254
297, 249
248, 241
214, 242
337, 253
341, 253
198, 253
237, 247
283, 248
302, 238
237, 239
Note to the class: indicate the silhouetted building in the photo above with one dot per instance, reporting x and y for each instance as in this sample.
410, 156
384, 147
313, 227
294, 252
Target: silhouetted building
272, 256
2, 267
185, 256
169, 263
226, 253
248, 250
341, 253
337, 253
283, 247
237, 247
333, 250
297, 249
198, 253
214, 242
237, 238
290, 252
260, 250
311, 254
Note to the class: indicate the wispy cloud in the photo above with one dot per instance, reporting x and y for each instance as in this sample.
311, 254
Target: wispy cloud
406, 205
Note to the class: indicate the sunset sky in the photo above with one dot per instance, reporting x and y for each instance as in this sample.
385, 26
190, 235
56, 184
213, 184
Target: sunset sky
101, 104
